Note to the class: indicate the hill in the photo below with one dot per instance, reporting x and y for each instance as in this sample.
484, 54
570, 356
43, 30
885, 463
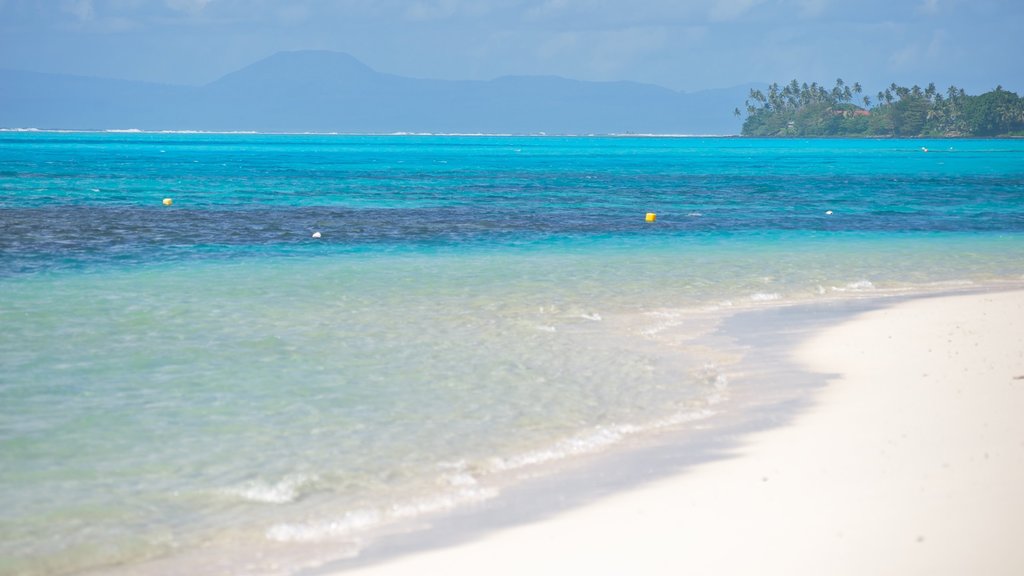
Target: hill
318, 91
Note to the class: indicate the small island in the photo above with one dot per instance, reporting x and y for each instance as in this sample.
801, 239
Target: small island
802, 110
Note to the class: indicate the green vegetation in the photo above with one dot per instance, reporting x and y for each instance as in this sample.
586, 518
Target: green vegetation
812, 110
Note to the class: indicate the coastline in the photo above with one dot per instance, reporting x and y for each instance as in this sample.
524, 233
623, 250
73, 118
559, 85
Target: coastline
626, 135
483, 331
908, 461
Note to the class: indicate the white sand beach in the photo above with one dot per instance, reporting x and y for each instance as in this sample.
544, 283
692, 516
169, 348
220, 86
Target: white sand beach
911, 461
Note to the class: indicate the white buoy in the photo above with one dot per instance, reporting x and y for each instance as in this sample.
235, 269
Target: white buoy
828, 212
316, 234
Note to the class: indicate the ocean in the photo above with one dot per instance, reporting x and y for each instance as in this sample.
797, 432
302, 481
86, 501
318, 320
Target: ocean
319, 339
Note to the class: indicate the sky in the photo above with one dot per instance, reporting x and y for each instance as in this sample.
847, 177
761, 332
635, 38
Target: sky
685, 45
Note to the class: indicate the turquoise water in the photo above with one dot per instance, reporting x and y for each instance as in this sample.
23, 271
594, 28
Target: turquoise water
189, 382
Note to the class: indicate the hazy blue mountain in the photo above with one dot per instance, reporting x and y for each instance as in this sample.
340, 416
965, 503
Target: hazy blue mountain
318, 91
29, 99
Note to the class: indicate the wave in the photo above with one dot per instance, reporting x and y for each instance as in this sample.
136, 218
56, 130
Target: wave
396, 133
461, 483
858, 286
348, 524
669, 135
603, 437
289, 489
356, 522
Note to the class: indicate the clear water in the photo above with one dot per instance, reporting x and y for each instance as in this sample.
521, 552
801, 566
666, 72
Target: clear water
207, 378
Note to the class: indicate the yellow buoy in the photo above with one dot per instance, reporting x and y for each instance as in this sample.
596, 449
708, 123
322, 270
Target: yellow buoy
168, 201
651, 217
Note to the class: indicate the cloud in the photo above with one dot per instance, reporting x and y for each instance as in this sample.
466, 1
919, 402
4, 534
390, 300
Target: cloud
293, 14
811, 8
924, 54
725, 10
937, 44
425, 10
617, 51
546, 9
82, 9
928, 7
188, 6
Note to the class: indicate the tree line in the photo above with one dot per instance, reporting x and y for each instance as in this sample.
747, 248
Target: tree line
797, 109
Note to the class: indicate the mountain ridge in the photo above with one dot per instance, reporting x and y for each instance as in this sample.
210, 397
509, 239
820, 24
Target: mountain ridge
324, 91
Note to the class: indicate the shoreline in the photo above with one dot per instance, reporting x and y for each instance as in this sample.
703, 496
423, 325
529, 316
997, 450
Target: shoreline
751, 501
655, 135
200, 132
765, 390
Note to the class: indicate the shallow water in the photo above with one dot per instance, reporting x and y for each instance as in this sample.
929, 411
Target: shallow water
208, 376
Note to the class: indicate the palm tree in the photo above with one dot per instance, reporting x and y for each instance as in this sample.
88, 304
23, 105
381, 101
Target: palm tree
773, 96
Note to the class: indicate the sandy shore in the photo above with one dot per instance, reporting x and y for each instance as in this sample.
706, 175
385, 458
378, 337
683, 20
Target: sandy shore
910, 462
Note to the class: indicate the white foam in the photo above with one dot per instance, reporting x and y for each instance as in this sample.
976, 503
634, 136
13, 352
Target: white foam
597, 439
858, 286
594, 316
682, 418
954, 283
460, 479
585, 443
668, 135
288, 489
668, 319
718, 381
765, 296
355, 522
440, 502
346, 526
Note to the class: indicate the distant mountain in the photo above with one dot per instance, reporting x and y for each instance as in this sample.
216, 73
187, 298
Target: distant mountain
318, 91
